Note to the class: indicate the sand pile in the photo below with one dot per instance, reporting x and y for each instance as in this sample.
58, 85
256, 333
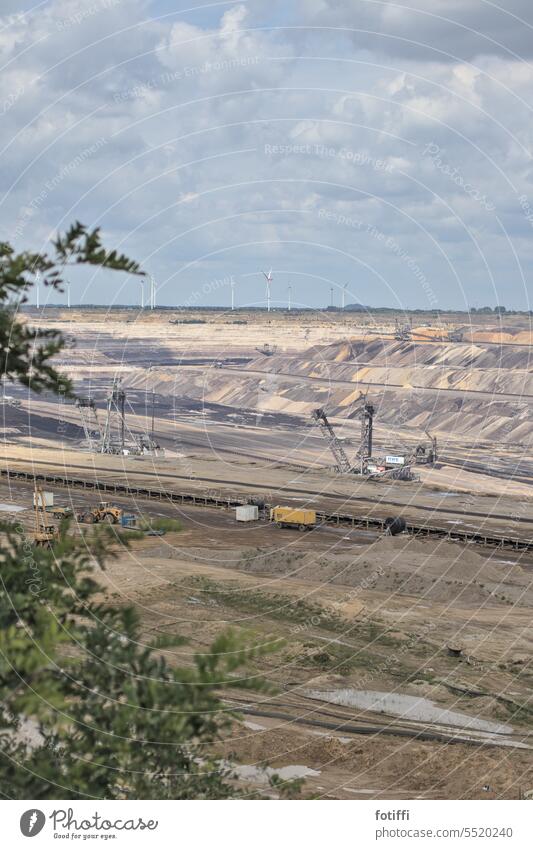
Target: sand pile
379, 352
439, 571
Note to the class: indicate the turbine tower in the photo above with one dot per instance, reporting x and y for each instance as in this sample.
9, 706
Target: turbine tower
344, 295
37, 281
232, 284
141, 281
268, 278
290, 297
152, 292
67, 284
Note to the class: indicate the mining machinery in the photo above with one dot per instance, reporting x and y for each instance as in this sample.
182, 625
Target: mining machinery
114, 435
425, 454
402, 473
362, 464
335, 445
403, 332
111, 438
267, 349
105, 511
455, 335
44, 534
367, 434
364, 453
89, 422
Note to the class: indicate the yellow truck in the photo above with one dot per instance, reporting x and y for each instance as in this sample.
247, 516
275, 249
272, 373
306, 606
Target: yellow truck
291, 517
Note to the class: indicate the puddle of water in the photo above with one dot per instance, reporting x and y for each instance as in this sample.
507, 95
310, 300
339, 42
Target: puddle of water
254, 726
263, 774
416, 708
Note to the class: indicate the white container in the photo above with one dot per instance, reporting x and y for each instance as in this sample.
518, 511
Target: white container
247, 513
44, 499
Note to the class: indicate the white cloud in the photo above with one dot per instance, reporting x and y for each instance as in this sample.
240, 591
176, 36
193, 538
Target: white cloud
227, 145
427, 30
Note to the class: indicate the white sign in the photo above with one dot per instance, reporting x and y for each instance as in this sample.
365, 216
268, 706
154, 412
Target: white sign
394, 460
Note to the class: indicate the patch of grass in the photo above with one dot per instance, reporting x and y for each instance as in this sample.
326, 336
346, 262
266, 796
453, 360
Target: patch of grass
132, 534
373, 632
161, 523
410, 677
339, 659
273, 606
259, 556
512, 710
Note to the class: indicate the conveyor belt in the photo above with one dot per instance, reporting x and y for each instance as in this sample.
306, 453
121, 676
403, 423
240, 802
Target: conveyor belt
344, 519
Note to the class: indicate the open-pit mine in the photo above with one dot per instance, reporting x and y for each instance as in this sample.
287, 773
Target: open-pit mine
399, 581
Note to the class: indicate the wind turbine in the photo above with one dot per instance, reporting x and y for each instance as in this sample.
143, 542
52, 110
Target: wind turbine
141, 281
331, 292
268, 278
152, 292
289, 299
344, 295
67, 284
37, 281
232, 284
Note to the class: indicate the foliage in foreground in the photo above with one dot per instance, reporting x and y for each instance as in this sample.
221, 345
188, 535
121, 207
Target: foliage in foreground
87, 709
27, 351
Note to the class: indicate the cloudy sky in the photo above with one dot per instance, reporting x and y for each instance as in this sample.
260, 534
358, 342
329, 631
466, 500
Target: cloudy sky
383, 146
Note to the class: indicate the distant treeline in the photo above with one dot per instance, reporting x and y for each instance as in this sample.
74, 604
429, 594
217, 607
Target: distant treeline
500, 310
359, 308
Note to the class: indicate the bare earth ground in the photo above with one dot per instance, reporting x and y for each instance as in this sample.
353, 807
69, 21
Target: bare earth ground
359, 615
